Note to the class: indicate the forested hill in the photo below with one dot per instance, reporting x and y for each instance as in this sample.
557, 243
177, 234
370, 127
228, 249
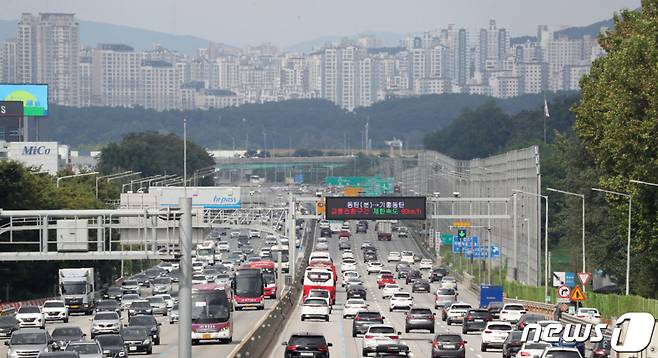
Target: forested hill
298, 124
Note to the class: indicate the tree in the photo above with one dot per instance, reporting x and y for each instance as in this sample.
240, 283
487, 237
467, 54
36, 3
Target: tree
617, 121
152, 153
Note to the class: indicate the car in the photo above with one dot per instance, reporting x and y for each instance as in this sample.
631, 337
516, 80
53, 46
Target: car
448, 282
361, 227
86, 349
407, 257
494, 335
254, 234
532, 349
58, 354
590, 314
128, 299
456, 312
419, 318
475, 320
315, 307
25, 341
61, 336
348, 254
348, 265
561, 352
105, 323
55, 310
8, 324
224, 246
199, 279
169, 301
108, 306
529, 318
321, 246
130, 285
512, 312
389, 289
494, 307
113, 293
385, 279
112, 345
601, 349
392, 351
443, 295
379, 334
353, 281
512, 344
325, 232
425, 264
174, 315
393, 256
449, 345
140, 307
306, 344
365, 319
403, 232
348, 274
344, 245
356, 291
353, 306
30, 316
158, 305
137, 339
402, 265
436, 275
370, 256
320, 293
412, 276
142, 280
579, 346
148, 322
420, 285
400, 300
161, 285
366, 245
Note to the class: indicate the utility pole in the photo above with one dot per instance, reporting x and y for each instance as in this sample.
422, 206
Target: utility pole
185, 284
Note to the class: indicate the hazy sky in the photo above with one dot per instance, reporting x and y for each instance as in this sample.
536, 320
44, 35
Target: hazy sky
287, 22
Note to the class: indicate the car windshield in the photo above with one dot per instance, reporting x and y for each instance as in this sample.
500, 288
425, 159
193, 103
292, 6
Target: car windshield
478, 313
499, 327
369, 315
460, 307
110, 340
74, 288
7, 320
67, 332
381, 329
83, 348
514, 308
53, 304
162, 281
446, 292
312, 301
134, 332
355, 302
562, 354
29, 338
448, 338
155, 299
129, 283
130, 296
106, 316
29, 309
142, 321
538, 345
140, 305
420, 311
307, 341
402, 295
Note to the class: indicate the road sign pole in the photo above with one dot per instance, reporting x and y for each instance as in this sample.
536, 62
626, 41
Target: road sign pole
185, 284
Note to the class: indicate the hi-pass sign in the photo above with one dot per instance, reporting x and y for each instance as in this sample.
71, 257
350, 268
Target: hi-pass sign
376, 208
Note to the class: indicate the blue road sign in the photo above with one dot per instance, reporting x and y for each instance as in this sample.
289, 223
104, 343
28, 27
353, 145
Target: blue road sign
471, 241
495, 251
570, 279
456, 245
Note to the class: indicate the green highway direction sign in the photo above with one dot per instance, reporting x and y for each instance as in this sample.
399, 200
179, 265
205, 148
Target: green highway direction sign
372, 186
446, 239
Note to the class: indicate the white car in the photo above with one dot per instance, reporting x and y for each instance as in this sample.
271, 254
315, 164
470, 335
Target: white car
321, 239
374, 267
254, 234
349, 274
379, 334
55, 310
348, 255
563, 352
321, 246
400, 300
495, 334
425, 264
532, 349
590, 314
394, 256
199, 279
348, 265
316, 307
223, 246
512, 312
457, 312
407, 256
353, 306
168, 300
197, 266
30, 316
128, 299
448, 282
390, 289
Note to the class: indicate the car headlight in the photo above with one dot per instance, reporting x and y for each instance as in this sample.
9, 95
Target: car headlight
122, 354
147, 341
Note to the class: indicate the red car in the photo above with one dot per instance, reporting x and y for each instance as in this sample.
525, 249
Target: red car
385, 279
344, 233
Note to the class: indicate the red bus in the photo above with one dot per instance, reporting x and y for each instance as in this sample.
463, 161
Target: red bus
268, 269
211, 313
248, 288
320, 277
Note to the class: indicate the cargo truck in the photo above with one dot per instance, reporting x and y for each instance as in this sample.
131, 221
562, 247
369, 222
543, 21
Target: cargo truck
490, 293
76, 287
384, 230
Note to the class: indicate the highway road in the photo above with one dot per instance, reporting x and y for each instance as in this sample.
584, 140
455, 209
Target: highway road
339, 331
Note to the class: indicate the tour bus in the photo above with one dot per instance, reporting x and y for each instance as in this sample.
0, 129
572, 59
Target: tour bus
320, 278
211, 313
248, 288
206, 252
283, 251
268, 269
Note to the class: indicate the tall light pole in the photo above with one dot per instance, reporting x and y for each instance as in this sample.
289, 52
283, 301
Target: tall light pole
643, 182
115, 176
527, 223
545, 197
583, 217
185, 155
628, 241
74, 176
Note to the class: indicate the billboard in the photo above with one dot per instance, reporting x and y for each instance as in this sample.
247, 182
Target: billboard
33, 96
207, 197
11, 108
376, 208
42, 155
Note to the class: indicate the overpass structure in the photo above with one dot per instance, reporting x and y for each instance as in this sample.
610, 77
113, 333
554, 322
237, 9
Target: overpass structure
328, 162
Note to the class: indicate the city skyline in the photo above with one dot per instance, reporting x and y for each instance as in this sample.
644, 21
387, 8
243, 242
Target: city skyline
300, 21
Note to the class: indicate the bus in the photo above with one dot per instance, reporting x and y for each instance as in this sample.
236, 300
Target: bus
268, 269
283, 251
320, 278
248, 288
211, 314
206, 252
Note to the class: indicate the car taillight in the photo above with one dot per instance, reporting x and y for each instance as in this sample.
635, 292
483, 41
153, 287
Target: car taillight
394, 337
461, 344
487, 331
436, 345
599, 351
521, 324
469, 317
524, 353
369, 336
323, 349
291, 348
503, 311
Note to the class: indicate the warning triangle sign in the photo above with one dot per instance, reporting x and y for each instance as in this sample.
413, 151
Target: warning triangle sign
577, 294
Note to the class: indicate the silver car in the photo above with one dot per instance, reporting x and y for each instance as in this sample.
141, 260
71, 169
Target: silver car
128, 299
158, 304
161, 285
86, 349
27, 342
104, 323
173, 314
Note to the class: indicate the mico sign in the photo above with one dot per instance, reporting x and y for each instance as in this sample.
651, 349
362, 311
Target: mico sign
36, 150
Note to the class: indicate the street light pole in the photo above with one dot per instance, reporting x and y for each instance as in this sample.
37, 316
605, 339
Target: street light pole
583, 217
643, 182
74, 176
628, 241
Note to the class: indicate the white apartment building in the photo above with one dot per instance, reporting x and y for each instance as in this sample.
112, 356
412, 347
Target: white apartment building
86, 81
366, 95
348, 78
9, 61
534, 77
26, 50
560, 53
572, 76
116, 75
432, 86
330, 76
504, 85
160, 82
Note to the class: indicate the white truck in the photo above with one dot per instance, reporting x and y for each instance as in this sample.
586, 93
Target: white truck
384, 230
76, 287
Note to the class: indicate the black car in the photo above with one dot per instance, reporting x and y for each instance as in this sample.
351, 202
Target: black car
528, 318
362, 226
512, 344
365, 319
8, 324
113, 293
108, 305
412, 276
243, 240
61, 336
494, 308
404, 271
420, 285
142, 280
149, 323
437, 274
475, 320
370, 256
325, 232
448, 345
112, 345
402, 265
356, 291
175, 275
137, 339
307, 345
391, 351
140, 308
601, 349
344, 245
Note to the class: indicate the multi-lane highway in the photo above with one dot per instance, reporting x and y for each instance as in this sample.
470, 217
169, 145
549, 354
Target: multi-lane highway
339, 331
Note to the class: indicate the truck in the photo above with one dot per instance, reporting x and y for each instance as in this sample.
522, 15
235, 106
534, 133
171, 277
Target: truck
76, 288
490, 293
384, 230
